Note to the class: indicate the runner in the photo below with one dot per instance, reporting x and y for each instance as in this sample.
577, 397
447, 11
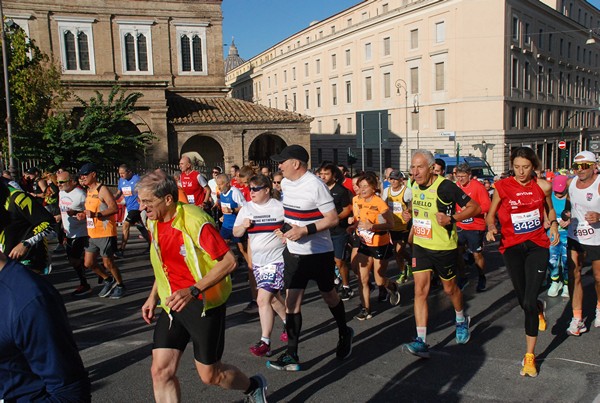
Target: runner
557, 265
521, 202
471, 232
127, 183
584, 235
372, 220
399, 197
194, 184
71, 200
332, 177
191, 264
435, 244
260, 218
99, 215
309, 213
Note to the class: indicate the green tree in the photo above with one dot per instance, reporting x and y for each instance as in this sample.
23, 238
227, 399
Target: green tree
100, 131
35, 89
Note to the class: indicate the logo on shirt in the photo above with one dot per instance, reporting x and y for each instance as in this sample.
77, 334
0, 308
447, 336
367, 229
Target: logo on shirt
182, 250
422, 196
589, 196
416, 211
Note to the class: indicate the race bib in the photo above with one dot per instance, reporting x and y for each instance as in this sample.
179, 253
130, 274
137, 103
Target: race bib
90, 222
226, 205
397, 207
191, 199
266, 276
366, 236
422, 228
468, 220
583, 231
526, 222
127, 191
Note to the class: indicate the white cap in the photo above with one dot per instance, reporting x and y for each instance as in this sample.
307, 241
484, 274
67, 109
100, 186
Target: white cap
587, 156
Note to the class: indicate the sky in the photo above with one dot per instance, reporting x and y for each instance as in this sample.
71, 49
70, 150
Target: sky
257, 25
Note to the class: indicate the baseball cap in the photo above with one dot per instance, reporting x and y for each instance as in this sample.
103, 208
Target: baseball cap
397, 175
587, 156
559, 183
87, 169
32, 171
294, 151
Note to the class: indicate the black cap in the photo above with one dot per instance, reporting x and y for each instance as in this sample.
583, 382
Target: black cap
397, 175
291, 152
32, 171
87, 169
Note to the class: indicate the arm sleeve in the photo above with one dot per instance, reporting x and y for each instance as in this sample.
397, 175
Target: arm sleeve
384, 194
449, 192
212, 242
323, 199
40, 219
408, 195
202, 180
239, 219
44, 336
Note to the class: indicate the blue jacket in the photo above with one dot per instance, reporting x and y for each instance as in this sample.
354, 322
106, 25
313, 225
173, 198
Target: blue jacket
39, 360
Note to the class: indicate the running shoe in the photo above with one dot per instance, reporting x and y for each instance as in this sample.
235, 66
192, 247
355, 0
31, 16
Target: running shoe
481, 283
120, 253
529, 368
403, 277
285, 362
597, 319
541, 305
82, 290
283, 336
565, 292
394, 296
576, 327
462, 331
383, 294
555, 288
417, 347
118, 292
258, 395
251, 308
346, 293
109, 284
261, 349
344, 345
462, 282
364, 314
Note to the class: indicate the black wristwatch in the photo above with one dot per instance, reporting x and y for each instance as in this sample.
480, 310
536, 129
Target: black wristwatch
195, 292
26, 244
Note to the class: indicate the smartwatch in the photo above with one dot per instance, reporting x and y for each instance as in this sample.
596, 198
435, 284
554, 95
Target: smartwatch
195, 292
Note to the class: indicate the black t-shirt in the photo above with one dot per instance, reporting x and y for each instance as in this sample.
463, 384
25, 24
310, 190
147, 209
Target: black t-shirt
341, 199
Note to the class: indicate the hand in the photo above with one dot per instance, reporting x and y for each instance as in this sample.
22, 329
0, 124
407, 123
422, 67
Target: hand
247, 223
18, 251
592, 217
366, 225
179, 299
406, 215
564, 224
148, 309
443, 219
490, 236
554, 236
295, 233
81, 216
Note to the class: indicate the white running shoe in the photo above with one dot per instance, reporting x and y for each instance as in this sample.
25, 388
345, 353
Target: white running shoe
597, 320
555, 288
576, 327
565, 292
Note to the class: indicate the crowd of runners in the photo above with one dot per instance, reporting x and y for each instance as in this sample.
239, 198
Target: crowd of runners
288, 227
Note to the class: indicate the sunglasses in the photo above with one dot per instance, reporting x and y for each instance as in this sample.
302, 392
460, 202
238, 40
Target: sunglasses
582, 165
256, 188
61, 182
277, 182
216, 172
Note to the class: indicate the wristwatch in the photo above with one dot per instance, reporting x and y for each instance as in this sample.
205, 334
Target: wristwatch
26, 244
195, 292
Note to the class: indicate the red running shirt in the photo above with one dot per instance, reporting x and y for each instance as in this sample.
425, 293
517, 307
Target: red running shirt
477, 192
521, 213
194, 191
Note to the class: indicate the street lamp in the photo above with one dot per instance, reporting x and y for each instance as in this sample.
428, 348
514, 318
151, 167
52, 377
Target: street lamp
415, 111
401, 84
11, 158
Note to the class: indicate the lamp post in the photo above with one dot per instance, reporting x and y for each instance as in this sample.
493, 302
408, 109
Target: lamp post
415, 111
11, 159
563, 153
401, 84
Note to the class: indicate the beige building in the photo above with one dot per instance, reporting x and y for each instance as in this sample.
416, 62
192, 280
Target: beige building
482, 77
170, 51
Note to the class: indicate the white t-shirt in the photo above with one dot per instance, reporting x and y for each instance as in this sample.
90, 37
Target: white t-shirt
265, 246
583, 201
212, 184
306, 200
73, 200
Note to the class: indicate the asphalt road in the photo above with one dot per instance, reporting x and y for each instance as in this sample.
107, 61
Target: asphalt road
116, 345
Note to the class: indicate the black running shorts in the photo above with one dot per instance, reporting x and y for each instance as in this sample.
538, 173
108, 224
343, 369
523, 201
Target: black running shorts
442, 262
299, 269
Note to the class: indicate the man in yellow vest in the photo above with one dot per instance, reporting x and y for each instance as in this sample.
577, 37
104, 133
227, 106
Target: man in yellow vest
435, 244
191, 264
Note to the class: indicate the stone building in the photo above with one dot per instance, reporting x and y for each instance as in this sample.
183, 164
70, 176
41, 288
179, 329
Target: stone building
468, 76
171, 51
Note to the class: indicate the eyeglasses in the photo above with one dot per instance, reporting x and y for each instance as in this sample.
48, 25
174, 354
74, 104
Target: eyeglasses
256, 188
582, 165
277, 182
62, 182
216, 172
